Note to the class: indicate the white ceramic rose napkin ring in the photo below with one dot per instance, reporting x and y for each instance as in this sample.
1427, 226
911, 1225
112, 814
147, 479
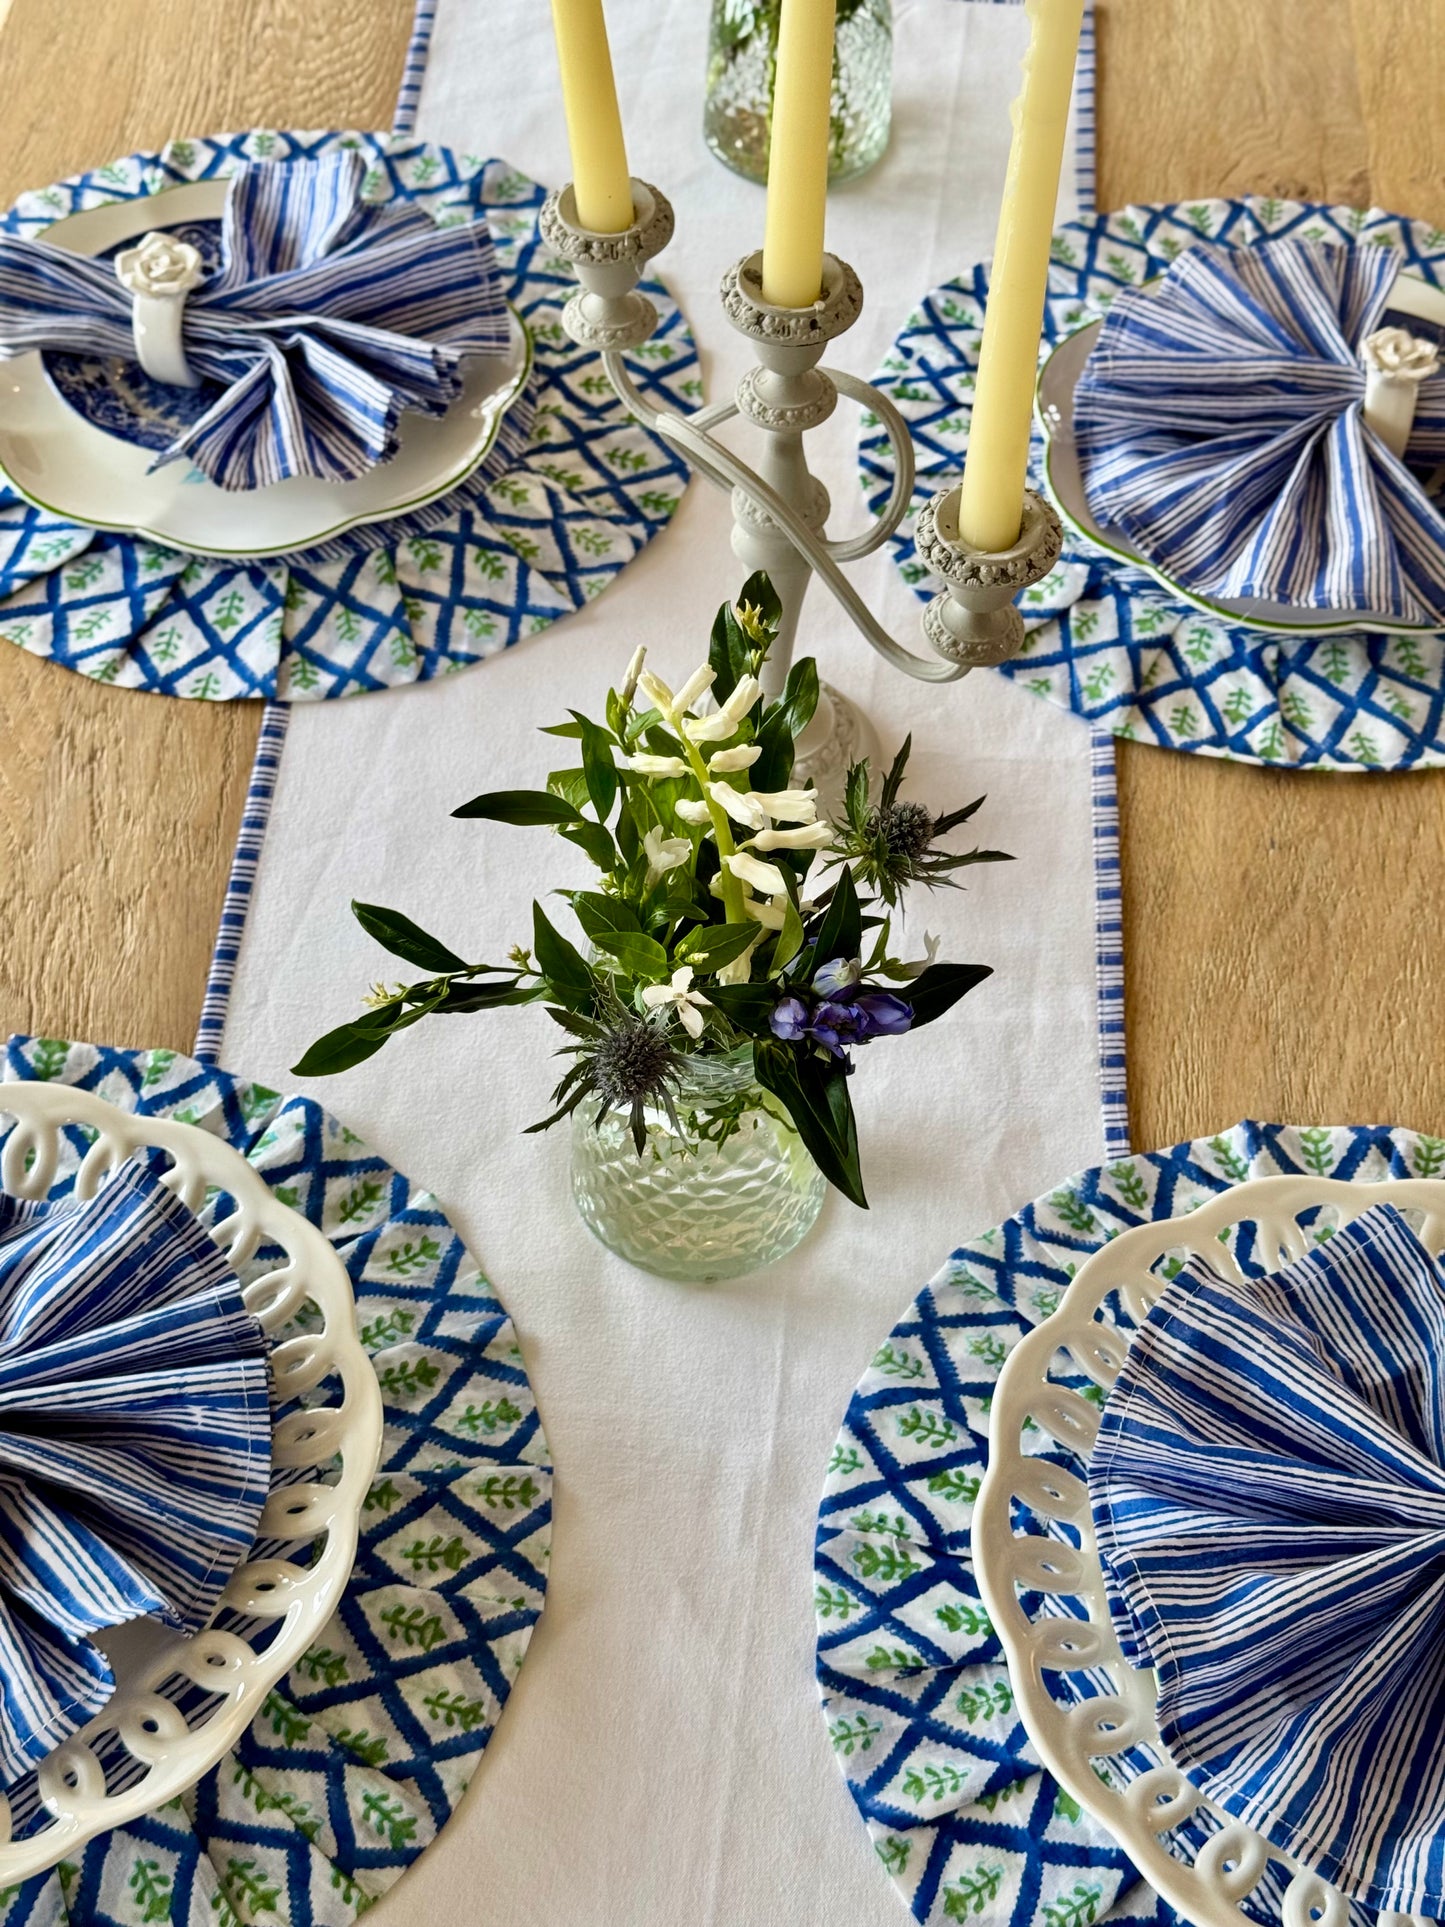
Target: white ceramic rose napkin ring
158, 273
1396, 362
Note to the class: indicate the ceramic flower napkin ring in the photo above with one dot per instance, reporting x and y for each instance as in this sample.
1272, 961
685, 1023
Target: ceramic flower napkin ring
326, 319
135, 1441
1268, 1491
1258, 425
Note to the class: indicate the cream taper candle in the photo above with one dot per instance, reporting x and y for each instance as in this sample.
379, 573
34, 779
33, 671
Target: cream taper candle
991, 507
798, 147
600, 180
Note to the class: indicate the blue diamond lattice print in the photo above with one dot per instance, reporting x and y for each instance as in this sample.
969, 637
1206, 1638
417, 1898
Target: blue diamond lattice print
915, 1693
356, 1761
571, 491
1105, 639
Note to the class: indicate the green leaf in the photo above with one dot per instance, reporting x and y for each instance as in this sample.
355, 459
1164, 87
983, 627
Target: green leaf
816, 1098
405, 939
841, 931
717, 944
800, 696
939, 988
855, 795
571, 730
892, 782
759, 590
363, 1037
339, 1049
639, 956
595, 839
571, 786
564, 969
748, 1006
470, 997
520, 806
597, 762
790, 937
728, 653
598, 914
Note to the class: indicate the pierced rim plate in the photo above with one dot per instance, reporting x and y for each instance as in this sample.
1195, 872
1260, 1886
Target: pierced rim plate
81, 473
144, 1748
1063, 479
1045, 1594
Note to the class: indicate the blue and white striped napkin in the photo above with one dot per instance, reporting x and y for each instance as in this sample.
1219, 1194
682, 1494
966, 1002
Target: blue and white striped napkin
328, 319
1220, 426
1268, 1491
135, 1441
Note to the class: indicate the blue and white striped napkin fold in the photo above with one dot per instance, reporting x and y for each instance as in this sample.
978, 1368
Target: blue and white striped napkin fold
328, 318
1268, 1491
1219, 423
135, 1441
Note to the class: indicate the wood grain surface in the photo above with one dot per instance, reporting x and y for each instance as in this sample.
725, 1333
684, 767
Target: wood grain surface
1284, 946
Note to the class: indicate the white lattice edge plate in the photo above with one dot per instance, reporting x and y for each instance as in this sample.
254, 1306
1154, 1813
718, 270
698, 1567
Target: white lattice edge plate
1116, 1710
71, 468
289, 1599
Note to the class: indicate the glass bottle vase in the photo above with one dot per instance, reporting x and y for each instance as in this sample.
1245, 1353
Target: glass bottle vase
731, 1191
742, 61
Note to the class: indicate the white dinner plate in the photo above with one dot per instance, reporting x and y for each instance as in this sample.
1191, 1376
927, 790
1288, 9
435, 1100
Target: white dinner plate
1063, 479
79, 472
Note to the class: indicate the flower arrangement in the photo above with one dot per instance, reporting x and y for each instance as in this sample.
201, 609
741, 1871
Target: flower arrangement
728, 910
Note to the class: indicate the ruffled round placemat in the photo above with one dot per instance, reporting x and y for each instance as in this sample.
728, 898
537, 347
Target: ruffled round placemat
915, 1692
359, 1757
571, 491
1105, 639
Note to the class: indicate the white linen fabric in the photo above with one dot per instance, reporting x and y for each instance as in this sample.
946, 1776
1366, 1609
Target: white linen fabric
664, 1761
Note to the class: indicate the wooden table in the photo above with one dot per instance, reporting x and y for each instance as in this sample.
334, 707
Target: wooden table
1284, 937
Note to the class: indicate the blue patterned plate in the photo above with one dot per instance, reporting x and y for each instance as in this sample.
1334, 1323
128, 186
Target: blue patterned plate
77, 440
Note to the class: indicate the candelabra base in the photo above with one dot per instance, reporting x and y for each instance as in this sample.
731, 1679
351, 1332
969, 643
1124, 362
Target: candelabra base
838, 736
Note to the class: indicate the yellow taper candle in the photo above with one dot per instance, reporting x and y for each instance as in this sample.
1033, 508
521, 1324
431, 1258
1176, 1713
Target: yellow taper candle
600, 179
991, 508
798, 154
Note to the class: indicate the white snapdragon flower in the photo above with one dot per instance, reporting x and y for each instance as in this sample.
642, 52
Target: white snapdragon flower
698, 814
642, 763
724, 720
766, 877
656, 691
927, 960
741, 805
688, 1003
629, 681
807, 836
663, 853
741, 968
726, 762
695, 688
789, 806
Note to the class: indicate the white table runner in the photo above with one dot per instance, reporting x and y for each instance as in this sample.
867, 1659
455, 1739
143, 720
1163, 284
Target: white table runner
663, 1760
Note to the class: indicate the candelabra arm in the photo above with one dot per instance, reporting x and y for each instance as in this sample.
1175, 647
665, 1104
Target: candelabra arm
720, 465
886, 522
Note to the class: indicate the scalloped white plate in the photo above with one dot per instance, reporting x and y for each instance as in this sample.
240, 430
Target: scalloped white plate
79, 472
285, 1601
1116, 1710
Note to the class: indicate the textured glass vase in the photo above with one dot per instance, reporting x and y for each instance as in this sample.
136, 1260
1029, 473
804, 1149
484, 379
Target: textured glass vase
742, 58
734, 1190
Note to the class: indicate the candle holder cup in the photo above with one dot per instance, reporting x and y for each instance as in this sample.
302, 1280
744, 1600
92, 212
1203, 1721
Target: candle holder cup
780, 508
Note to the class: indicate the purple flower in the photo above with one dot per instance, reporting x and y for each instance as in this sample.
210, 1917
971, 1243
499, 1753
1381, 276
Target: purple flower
789, 1020
840, 978
884, 1014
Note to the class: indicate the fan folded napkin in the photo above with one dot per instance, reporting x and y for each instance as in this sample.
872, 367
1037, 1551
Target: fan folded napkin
327, 318
135, 1441
1220, 424
1268, 1491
